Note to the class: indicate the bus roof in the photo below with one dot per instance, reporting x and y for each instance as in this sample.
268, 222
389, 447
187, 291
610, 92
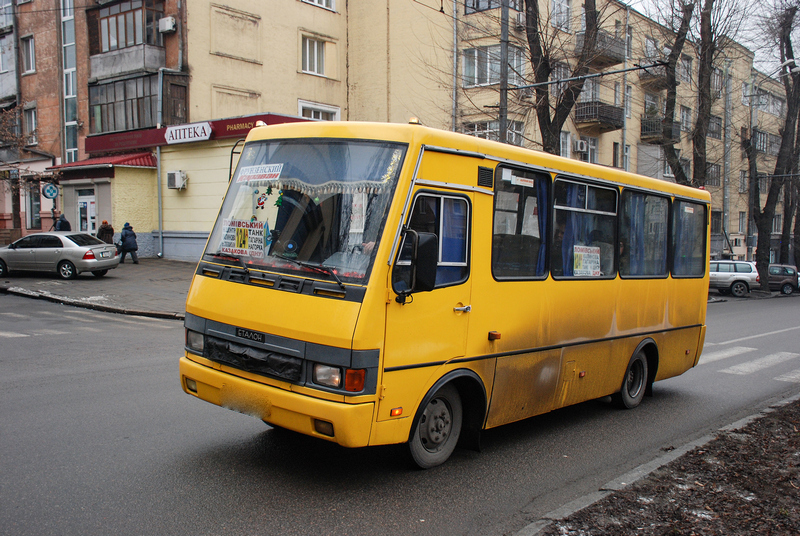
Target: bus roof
416, 135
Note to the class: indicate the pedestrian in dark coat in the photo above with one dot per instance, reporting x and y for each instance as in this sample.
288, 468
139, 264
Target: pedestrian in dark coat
62, 224
129, 244
106, 232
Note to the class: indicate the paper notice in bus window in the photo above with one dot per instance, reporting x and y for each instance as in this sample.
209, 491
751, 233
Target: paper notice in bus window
587, 261
530, 219
688, 210
266, 172
522, 181
243, 238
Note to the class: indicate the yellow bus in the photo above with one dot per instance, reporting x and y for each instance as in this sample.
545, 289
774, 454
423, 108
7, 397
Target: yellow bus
373, 284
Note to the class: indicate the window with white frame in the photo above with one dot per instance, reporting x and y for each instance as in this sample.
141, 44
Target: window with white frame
617, 94
742, 221
28, 54
650, 48
560, 14
628, 100
686, 119
313, 56
314, 110
591, 154
475, 6
745, 94
717, 79
777, 105
564, 144
30, 126
6, 13
626, 160
590, 91
490, 130
70, 91
686, 69
777, 223
482, 65
4, 62
328, 4
651, 104
560, 72
629, 42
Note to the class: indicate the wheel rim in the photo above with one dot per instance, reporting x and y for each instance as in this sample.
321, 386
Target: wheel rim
738, 290
66, 270
787, 289
635, 382
436, 424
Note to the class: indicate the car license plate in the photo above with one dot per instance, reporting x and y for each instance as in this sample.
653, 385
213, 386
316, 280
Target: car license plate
104, 254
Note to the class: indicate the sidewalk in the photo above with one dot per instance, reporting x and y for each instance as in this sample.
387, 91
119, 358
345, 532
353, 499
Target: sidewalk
154, 287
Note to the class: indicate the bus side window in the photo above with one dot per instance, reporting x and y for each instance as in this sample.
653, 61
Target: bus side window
448, 218
688, 239
643, 234
520, 221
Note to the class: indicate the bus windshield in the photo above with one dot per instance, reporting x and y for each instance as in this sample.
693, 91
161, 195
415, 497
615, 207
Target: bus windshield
308, 206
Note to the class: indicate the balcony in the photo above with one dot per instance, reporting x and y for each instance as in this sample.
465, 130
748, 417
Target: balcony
599, 116
126, 61
608, 51
653, 78
653, 131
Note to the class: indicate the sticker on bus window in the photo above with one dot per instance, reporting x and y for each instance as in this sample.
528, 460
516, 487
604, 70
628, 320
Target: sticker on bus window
266, 172
244, 238
688, 210
587, 261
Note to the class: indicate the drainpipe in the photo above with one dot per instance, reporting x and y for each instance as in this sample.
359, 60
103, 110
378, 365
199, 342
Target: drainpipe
624, 94
159, 120
454, 112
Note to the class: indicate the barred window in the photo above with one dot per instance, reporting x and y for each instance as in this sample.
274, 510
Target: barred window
713, 174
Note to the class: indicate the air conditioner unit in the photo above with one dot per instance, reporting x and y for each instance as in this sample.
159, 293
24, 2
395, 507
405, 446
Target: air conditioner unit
581, 146
520, 21
166, 24
176, 180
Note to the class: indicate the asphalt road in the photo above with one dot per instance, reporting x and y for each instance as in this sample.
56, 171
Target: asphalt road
97, 438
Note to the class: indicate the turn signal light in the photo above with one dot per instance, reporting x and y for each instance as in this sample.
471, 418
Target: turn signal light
354, 380
395, 412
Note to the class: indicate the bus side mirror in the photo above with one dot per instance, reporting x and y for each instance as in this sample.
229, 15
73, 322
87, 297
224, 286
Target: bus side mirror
421, 274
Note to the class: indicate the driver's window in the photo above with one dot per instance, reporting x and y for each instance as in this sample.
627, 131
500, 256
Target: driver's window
28, 242
448, 218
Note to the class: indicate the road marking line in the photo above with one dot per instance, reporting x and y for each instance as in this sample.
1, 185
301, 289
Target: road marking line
793, 376
50, 332
15, 315
724, 354
9, 335
732, 341
760, 364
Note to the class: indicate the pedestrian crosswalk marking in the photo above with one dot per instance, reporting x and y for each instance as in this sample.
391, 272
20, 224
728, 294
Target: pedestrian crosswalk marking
724, 354
768, 334
761, 363
10, 335
50, 332
15, 315
793, 377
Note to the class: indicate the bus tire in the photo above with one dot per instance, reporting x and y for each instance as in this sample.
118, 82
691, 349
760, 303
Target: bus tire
634, 384
437, 430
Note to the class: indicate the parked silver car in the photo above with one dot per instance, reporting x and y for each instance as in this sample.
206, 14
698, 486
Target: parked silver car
67, 253
733, 277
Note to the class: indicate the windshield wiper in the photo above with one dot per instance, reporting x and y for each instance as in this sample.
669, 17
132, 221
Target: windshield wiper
321, 268
231, 256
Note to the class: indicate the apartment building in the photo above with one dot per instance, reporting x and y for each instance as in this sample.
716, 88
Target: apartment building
140, 103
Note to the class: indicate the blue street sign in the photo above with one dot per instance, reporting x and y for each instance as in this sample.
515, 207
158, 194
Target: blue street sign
50, 191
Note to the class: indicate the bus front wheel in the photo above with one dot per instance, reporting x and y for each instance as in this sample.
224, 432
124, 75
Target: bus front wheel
437, 430
634, 383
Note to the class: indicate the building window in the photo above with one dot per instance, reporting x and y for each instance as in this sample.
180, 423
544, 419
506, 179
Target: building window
651, 106
130, 23
686, 69
564, 148
591, 155
716, 222
743, 181
713, 175
560, 72
474, 6
773, 144
124, 105
745, 94
313, 56
651, 48
30, 126
626, 160
616, 156
777, 105
686, 119
28, 54
590, 91
328, 4
716, 82
715, 127
322, 112
560, 14
6, 13
70, 91
33, 206
628, 100
482, 65
742, 222
777, 223
490, 130
629, 42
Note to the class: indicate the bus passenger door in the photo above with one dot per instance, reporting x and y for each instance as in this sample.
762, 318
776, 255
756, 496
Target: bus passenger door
431, 327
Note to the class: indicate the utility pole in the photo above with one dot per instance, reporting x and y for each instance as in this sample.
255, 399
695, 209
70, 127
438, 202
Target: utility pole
503, 127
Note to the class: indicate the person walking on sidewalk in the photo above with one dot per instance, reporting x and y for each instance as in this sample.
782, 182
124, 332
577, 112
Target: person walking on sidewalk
129, 244
106, 232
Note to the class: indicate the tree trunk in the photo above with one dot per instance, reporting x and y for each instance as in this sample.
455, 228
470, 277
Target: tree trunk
706, 67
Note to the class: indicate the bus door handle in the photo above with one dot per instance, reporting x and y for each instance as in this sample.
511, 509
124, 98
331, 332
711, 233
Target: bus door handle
465, 309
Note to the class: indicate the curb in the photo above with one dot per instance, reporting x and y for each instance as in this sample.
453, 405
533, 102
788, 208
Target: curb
641, 471
18, 291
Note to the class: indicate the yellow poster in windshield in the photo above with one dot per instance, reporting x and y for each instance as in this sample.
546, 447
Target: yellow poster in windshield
243, 238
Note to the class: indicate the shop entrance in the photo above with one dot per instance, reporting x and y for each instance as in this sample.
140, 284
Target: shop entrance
87, 211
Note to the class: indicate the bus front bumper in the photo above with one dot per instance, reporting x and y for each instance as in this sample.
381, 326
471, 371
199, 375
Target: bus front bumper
351, 423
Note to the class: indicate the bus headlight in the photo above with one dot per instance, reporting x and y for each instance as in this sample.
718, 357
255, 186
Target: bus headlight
327, 376
195, 342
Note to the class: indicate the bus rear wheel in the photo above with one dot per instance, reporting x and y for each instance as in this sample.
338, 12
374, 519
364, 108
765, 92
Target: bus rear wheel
436, 433
634, 383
